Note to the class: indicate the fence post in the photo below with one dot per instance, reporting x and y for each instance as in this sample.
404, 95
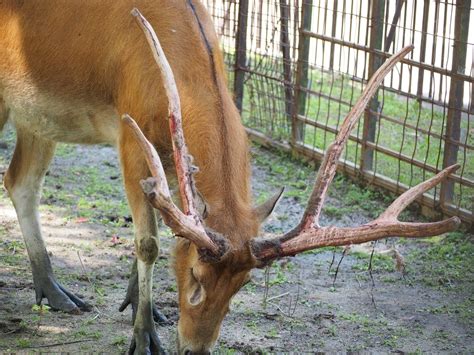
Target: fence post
299, 106
375, 61
456, 93
240, 54
285, 49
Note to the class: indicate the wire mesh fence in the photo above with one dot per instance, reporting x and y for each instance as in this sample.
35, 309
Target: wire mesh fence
296, 68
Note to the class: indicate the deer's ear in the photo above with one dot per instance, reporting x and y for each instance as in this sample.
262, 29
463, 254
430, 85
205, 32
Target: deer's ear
196, 293
265, 209
196, 296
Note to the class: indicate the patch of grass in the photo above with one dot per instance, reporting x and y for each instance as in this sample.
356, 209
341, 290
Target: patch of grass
23, 343
362, 320
13, 259
252, 325
225, 350
41, 309
84, 332
14, 245
380, 262
391, 341
119, 341
389, 279
331, 330
171, 288
278, 274
444, 262
273, 334
250, 287
337, 212
464, 311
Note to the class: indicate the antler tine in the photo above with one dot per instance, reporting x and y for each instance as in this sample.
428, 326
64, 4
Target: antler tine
268, 249
309, 235
397, 206
188, 225
151, 155
328, 167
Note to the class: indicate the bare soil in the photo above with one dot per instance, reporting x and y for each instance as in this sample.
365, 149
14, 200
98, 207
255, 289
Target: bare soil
300, 308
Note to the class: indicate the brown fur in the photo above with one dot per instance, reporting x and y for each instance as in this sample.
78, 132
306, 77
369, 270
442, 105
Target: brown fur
3, 115
86, 63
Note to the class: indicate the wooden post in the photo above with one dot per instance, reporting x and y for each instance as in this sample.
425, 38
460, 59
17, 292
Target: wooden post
285, 50
240, 54
299, 107
456, 93
375, 61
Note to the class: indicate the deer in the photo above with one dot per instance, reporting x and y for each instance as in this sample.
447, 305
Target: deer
84, 72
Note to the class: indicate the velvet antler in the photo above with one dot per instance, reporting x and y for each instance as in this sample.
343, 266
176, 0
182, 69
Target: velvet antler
186, 223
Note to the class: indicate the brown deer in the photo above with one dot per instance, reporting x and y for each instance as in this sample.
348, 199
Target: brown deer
69, 70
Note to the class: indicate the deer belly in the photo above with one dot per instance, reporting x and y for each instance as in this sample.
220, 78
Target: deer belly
63, 120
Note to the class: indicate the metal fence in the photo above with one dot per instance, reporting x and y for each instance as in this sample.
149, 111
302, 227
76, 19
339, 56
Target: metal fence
296, 68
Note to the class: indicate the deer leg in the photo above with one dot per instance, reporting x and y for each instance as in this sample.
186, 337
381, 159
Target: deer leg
23, 182
145, 339
131, 298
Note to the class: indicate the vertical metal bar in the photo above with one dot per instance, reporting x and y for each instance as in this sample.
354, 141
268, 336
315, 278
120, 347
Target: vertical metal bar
375, 61
333, 34
296, 21
471, 106
424, 33
241, 54
285, 49
302, 69
456, 93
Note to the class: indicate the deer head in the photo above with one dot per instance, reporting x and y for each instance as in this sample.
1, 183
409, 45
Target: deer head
212, 267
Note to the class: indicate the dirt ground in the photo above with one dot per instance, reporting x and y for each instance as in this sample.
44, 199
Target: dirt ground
296, 305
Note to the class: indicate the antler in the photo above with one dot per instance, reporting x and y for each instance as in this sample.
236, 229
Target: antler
309, 235
188, 225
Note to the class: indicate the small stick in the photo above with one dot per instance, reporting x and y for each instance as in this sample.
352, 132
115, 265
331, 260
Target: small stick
58, 344
278, 296
84, 269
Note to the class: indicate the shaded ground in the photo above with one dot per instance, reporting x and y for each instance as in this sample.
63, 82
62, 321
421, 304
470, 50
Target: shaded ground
300, 308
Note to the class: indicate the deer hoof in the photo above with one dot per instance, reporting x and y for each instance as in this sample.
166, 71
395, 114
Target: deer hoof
132, 298
145, 342
60, 299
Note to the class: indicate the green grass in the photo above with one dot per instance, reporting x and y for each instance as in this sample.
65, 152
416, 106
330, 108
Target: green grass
446, 262
380, 262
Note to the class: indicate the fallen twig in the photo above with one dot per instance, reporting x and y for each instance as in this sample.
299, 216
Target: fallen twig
278, 296
55, 344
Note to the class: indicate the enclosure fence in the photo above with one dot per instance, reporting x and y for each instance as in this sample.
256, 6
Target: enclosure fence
296, 67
